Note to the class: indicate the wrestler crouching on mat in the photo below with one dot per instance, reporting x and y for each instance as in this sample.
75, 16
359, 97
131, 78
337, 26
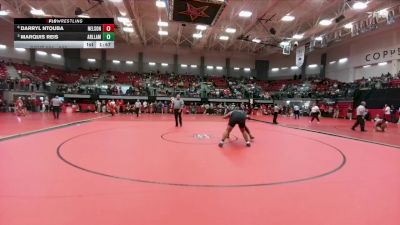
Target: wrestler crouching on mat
236, 117
380, 124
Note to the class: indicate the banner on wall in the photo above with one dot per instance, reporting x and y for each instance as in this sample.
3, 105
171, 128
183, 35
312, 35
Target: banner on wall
382, 55
300, 52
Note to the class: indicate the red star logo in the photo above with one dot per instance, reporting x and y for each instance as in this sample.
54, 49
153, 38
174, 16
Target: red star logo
194, 12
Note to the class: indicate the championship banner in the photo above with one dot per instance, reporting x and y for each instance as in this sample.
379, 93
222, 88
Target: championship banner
196, 11
300, 52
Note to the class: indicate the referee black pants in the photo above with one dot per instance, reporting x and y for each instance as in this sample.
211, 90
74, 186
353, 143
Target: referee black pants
314, 116
360, 121
56, 112
137, 111
178, 117
275, 118
297, 114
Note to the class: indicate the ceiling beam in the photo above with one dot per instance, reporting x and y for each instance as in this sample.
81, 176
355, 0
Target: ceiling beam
349, 14
178, 39
15, 10
204, 40
254, 23
292, 8
136, 21
308, 16
110, 10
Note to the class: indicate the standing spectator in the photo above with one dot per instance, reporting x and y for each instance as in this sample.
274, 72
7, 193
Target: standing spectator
276, 112
392, 114
336, 112
160, 107
46, 104
398, 112
138, 105
103, 106
127, 108
19, 107
331, 111
192, 108
386, 111
38, 104
152, 108
145, 106
112, 107
207, 108
350, 113
98, 106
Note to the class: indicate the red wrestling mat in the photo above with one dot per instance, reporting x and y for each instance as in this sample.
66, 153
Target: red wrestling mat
126, 171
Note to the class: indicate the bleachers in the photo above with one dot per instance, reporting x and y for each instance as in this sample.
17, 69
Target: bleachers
43, 73
394, 83
39, 72
219, 82
278, 85
217, 87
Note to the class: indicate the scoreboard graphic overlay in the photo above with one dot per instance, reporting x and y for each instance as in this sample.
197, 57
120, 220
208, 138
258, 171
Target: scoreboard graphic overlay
64, 33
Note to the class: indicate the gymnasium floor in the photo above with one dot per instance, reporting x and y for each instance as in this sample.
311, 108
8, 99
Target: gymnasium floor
124, 170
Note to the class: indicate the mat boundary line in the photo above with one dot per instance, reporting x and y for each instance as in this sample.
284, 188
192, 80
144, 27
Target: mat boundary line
165, 183
13, 136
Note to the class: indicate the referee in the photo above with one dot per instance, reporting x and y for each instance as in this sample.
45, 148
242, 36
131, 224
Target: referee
177, 105
56, 103
296, 111
315, 112
361, 112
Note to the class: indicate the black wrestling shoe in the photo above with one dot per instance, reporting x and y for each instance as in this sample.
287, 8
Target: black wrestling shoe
248, 144
221, 144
